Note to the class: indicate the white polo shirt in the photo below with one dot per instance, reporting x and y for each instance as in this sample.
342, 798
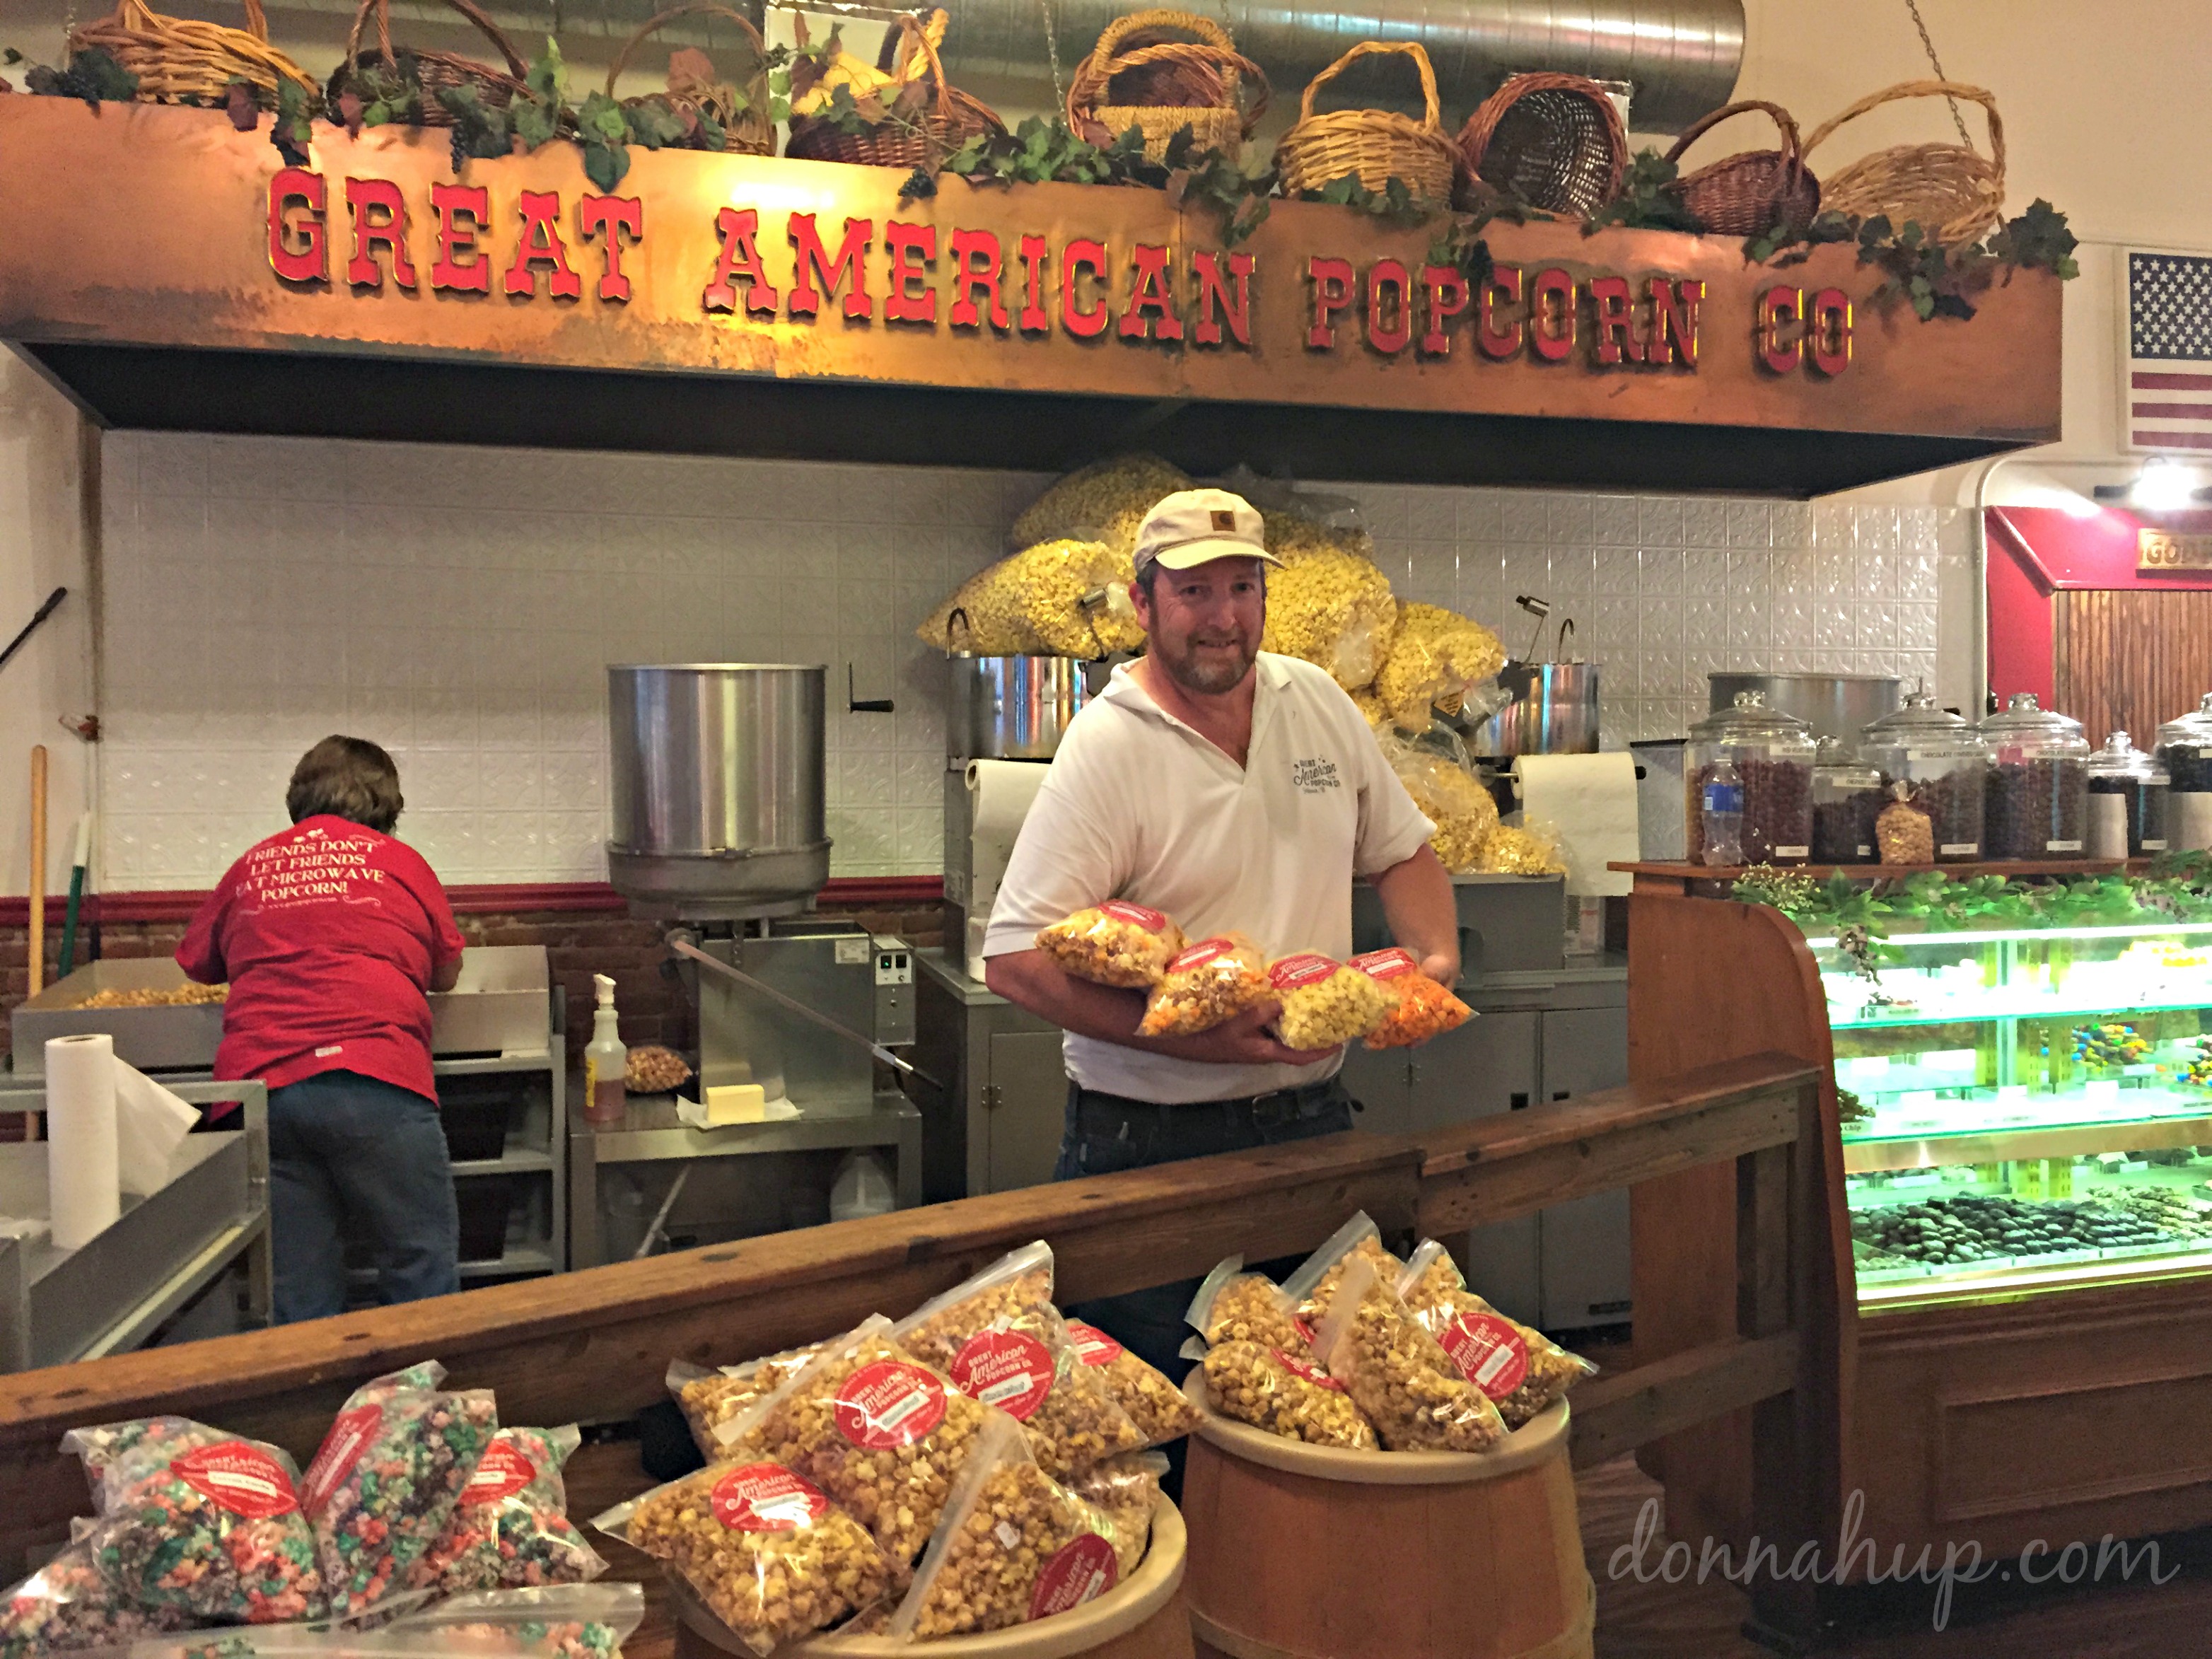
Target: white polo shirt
1137, 805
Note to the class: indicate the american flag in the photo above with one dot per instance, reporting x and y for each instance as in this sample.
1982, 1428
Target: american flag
2169, 386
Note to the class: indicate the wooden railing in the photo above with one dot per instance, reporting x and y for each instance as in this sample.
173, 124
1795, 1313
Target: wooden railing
595, 1345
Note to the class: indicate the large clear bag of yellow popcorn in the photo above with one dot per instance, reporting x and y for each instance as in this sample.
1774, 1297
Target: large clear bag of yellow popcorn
1516, 1365
1013, 1546
1449, 797
1104, 501
1436, 658
1325, 1003
1522, 849
1055, 598
1397, 1374
1335, 610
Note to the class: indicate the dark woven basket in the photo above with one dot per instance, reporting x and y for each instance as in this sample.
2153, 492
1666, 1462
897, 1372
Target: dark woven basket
953, 119
496, 89
1555, 140
1751, 192
750, 133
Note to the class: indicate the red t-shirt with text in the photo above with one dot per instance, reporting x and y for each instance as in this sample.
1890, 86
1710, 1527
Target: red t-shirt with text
329, 934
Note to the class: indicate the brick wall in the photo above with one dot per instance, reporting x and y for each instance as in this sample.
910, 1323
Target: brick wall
577, 945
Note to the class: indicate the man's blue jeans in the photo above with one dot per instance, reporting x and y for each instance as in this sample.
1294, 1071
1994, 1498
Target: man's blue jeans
355, 1155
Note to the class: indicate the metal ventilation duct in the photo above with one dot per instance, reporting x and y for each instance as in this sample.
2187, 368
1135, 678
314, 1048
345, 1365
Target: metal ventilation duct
1679, 57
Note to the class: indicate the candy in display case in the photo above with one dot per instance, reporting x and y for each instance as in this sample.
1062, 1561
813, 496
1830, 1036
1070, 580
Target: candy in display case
2026, 1107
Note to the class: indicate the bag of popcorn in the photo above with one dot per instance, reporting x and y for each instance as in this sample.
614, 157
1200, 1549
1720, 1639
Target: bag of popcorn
1425, 1008
1116, 943
762, 1546
1001, 1341
1326, 1003
1014, 1545
1285, 1393
1212, 982
1395, 1372
1515, 1365
1234, 1306
1309, 1290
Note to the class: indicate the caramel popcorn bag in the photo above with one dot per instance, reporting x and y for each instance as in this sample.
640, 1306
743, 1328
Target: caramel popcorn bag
1309, 1290
1397, 1374
1284, 1393
1212, 981
709, 1399
1155, 1405
1234, 1306
762, 1546
1518, 1366
1001, 1341
880, 1432
1014, 1545
1126, 1490
1425, 1008
1326, 1003
1116, 943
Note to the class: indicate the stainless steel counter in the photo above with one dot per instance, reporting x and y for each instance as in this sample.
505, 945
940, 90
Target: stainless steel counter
110, 1295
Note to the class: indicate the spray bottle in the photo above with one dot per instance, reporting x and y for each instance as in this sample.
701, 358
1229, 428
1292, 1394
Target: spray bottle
605, 1060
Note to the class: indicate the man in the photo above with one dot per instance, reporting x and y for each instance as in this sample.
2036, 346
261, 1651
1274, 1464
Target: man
1234, 790
331, 935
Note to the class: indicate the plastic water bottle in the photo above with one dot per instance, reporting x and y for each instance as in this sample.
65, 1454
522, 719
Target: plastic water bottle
1721, 807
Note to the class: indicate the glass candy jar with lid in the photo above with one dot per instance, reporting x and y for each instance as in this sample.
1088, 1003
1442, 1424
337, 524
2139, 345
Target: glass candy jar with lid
2128, 801
1770, 754
2184, 749
1945, 763
1847, 797
2037, 805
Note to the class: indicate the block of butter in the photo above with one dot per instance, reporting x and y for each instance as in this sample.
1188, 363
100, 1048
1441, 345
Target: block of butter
736, 1103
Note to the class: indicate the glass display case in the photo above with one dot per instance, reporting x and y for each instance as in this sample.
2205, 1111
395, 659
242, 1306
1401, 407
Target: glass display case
2024, 1107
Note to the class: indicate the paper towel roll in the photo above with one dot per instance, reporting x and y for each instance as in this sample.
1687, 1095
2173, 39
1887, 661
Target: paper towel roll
1590, 799
1003, 792
151, 1124
83, 1184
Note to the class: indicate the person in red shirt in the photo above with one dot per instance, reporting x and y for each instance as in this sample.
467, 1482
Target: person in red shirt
331, 934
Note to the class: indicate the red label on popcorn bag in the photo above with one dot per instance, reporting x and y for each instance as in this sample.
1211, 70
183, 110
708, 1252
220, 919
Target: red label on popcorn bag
1386, 964
1205, 950
1004, 1368
766, 1498
351, 1433
501, 1473
1081, 1571
1307, 968
1312, 1373
887, 1403
240, 1478
1152, 922
1488, 1351
1092, 1346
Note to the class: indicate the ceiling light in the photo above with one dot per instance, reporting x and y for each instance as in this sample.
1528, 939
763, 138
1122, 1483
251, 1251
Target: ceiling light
2162, 486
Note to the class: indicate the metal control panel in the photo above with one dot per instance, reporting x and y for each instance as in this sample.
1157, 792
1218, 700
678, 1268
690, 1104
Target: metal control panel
894, 990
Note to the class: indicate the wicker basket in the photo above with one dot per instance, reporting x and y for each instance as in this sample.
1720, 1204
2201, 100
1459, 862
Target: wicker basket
1377, 145
495, 89
179, 59
1954, 193
1751, 192
749, 132
1555, 140
953, 120
1138, 75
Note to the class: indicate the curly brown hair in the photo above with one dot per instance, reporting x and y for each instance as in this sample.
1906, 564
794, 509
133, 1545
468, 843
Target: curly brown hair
350, 778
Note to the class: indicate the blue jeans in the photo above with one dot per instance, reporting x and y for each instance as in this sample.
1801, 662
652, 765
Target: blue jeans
355, 1155
1105, 1135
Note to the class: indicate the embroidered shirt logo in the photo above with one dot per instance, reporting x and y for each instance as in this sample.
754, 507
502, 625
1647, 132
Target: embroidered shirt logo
1314, 777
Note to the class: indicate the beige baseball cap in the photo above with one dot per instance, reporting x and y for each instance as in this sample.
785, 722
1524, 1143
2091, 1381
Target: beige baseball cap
1195, 526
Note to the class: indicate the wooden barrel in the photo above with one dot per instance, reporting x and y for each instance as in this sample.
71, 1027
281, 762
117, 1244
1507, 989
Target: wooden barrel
1141, 1617
1303, 1552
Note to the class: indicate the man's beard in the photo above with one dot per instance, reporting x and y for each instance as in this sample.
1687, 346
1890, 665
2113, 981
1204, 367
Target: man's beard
1212, 673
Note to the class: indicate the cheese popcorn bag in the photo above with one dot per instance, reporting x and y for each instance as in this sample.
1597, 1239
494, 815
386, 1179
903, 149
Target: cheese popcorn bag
1425, 1008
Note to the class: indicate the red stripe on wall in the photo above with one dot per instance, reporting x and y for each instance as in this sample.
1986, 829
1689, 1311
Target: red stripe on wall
484, 899
2171, 412
2173, 439
2142, 381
